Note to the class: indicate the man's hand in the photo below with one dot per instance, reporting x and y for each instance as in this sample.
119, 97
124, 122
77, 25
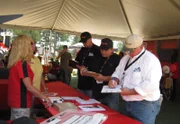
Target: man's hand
100, 77
112, 83
82, 69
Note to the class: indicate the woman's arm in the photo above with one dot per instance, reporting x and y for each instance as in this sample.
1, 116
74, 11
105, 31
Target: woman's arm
35, 92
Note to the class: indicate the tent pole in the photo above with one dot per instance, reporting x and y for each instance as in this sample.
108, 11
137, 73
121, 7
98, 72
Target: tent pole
50, 41
127, 21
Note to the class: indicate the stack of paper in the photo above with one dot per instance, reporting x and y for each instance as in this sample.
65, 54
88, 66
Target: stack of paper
64, 106
107, 89
76, 117
91, 108
69, 97
90, 101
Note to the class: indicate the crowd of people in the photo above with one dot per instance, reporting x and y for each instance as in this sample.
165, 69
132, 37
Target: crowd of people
138, 72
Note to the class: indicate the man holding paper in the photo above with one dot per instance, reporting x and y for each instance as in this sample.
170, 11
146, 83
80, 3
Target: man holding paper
139, 74
107, 66
88, 58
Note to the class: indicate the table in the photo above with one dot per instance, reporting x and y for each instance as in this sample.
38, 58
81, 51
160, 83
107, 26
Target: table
64, 90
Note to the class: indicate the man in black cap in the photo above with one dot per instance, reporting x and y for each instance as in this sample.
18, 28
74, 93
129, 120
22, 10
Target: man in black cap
107, 66
88, 57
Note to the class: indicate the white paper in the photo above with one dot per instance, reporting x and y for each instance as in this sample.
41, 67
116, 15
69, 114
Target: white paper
107, 89
90, 101
76, 117
56, 99
69, 97
97, 118
71, 120
91, 108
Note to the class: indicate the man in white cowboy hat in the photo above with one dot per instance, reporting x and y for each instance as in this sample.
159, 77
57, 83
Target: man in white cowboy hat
139, 73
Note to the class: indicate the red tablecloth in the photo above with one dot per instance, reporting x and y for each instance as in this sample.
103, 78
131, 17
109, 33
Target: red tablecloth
65, 90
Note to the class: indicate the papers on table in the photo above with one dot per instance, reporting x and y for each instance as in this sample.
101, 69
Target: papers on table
85, 119
106, 89
64, 106
56, 99
91, 108
69, 97
76, 117
90, 101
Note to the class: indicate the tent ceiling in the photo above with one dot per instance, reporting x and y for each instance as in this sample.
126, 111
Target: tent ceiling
113, 18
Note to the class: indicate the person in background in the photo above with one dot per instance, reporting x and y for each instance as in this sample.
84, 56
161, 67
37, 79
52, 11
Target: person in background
88, 57
174, 69
107, 66
64, 64
139, 74
20, 88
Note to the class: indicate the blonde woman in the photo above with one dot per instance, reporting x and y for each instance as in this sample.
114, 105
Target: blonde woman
20, 88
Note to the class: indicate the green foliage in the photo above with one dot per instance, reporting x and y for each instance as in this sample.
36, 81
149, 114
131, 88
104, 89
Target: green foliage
76, 39
64, 37
120, 46
35, 34
60, 47
56, 36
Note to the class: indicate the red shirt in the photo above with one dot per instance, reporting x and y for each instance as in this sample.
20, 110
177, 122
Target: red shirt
18, 95
174, 69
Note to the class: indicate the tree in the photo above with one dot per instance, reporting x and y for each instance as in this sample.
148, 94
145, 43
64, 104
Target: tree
64, 37
120, 46
35, 34
76, 39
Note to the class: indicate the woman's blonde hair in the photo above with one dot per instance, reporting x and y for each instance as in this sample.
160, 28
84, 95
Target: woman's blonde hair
21, 49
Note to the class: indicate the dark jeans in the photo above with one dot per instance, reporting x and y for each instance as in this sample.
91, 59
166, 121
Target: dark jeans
143, 111
87, 92
173, 95
112, 101
65, 76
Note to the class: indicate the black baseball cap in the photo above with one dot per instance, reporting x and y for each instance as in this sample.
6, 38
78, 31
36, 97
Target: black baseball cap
106, 44
85, 36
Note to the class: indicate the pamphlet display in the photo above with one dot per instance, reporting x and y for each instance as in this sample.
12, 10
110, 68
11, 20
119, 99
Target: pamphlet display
76, 117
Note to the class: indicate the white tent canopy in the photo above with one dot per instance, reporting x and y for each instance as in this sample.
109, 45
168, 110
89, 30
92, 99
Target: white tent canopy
103, 18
